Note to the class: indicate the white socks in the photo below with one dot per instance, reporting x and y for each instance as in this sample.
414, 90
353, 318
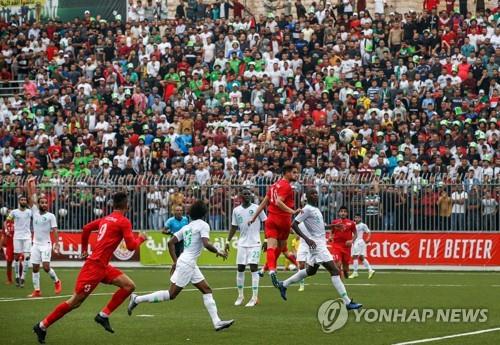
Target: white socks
209, 302
36, 280
26, 266
103, 314
297, 277
255, 284
339, 286
53, 275
155, 297
16, 268
355, 265
240, 282
367, 264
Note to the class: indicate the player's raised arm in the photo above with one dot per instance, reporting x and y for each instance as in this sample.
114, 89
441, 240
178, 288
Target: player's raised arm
261, 207
31, 195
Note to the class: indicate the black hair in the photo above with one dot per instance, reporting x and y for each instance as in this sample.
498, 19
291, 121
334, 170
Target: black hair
287, 168
120, 201
198, 210
343, 208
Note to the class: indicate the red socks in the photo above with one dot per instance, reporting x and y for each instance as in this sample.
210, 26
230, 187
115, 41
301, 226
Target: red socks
118, 297
61, 310
9, 274
293, 259
271, 259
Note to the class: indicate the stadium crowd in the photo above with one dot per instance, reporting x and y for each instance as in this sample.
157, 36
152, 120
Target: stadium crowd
219, 97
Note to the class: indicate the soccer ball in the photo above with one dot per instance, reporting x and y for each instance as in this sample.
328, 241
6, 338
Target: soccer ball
63, 212
4, 211
346, 135
292, 267
98, 212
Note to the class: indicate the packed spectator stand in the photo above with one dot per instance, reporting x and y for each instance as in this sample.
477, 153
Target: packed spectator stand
212, 100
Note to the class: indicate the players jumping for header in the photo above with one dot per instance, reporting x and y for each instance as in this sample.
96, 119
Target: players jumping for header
281, 203
248, 245
185, 270
318, 254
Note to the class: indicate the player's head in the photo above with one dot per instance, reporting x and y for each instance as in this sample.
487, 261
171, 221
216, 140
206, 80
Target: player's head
246, 196
178, 211
357, 218
312, 196
343, 212
198, 210
43, 204
290, 173
120, 201
23, 201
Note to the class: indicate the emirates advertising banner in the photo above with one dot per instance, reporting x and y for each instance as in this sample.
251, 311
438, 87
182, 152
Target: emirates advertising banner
452, 249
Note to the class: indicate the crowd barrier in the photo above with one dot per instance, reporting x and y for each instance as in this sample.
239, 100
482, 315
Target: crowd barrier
429, 203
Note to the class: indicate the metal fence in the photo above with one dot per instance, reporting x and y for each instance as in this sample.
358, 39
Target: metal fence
384, 204
11, 87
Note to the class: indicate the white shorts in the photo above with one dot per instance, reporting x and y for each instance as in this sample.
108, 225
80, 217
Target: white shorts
319, 255
41, 253
303, 252
248, 255
185, 274
22, 246
359, 247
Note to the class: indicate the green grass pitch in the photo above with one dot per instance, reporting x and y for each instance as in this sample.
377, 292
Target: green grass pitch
273, 321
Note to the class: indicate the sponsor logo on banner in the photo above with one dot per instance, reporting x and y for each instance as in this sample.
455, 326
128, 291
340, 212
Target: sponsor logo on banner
122, 253
420, 248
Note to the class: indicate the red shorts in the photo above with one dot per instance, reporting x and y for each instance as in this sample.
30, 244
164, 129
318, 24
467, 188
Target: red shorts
9, 249
92, 274
341, 253
278, 227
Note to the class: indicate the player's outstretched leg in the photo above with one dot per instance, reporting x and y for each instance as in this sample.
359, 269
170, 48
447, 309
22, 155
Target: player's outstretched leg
297, 277
155, 297
126, 287
339, 285
62, 309
209, 302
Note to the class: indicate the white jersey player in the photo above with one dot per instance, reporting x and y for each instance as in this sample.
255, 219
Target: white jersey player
315, 238
358, 250
249, 246
44, 223
22, 239
185, 269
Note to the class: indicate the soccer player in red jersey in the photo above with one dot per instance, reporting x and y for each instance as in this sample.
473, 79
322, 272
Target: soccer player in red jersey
112, 230
343, 230
7, 240
277, 227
